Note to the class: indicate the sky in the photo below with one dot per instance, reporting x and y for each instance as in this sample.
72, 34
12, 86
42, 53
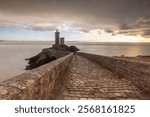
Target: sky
77, 20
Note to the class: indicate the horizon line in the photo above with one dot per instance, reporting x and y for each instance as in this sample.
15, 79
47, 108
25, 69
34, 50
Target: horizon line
75, 41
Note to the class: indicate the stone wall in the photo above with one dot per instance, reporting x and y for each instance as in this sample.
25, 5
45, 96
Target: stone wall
41, 83
137, 72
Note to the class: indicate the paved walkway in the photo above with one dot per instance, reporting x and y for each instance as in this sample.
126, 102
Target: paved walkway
88, 80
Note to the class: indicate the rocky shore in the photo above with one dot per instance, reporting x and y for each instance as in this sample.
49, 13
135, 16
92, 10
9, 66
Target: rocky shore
49, 54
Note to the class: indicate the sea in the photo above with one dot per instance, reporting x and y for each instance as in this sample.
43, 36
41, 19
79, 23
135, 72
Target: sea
14, 53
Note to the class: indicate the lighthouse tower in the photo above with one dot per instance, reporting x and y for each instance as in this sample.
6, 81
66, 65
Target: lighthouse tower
57, 38
62, 39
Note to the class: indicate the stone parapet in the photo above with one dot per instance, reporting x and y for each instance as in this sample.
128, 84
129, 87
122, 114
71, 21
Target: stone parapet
135, 71
42, 83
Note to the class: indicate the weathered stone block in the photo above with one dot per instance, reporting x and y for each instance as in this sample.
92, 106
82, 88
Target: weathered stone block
137, 72
41, 83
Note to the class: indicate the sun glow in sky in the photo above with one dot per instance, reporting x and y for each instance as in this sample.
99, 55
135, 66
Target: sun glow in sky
77, 20
69, 33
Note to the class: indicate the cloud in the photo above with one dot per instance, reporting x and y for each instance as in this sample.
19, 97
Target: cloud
83, 30
141, 27
40, 27
112, 32
35, 27
124, 27
9, 24
126, 16
109, 31
147, 34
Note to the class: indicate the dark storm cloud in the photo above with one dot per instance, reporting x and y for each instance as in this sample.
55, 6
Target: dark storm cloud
109, 31
139, 28
85, 14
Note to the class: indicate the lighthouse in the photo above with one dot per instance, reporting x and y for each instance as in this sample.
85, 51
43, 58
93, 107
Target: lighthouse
62, 39
57, 38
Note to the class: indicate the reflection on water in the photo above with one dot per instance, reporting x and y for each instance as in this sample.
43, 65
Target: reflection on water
116, 50
12, 55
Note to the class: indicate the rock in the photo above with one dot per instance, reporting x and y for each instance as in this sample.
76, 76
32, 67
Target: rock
73, 49
48, 55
